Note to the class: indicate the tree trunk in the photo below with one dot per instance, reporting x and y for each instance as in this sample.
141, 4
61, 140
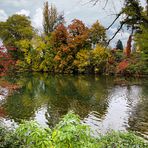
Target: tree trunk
128, 47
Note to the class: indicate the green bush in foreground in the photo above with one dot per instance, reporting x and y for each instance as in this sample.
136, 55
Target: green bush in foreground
69, 133
121, 140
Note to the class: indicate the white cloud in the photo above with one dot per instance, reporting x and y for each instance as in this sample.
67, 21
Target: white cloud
37, 19
16, 3
23, 12
3, 15
1, 43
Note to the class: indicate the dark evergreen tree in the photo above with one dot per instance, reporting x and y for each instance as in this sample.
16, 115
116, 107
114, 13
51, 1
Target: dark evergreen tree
119, 45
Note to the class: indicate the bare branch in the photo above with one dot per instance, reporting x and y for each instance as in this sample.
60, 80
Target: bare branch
105, 4
118, 15
96, 1
116, 33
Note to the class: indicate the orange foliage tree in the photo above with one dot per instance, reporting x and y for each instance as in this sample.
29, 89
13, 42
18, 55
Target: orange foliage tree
67, 42
78, 35
59, 36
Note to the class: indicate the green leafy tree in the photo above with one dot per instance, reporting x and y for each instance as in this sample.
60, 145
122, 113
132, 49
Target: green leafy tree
133, 17
141, 36
16, 29
141, 39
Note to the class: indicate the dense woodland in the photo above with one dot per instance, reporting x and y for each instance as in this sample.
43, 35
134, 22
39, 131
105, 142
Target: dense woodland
75, 48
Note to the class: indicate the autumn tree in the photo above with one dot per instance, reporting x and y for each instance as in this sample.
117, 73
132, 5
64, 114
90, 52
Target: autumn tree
59, 36
6, 61
78, 35
82, 61
63, 54
67, 41
97, 34
99, 59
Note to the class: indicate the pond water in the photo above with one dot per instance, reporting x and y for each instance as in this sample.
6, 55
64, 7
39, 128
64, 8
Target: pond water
97, 100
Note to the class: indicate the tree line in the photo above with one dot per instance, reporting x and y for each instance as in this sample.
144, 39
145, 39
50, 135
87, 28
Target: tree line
75, 48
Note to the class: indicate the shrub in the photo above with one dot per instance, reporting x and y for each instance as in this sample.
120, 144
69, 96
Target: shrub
32, 135
69, 133
121, 140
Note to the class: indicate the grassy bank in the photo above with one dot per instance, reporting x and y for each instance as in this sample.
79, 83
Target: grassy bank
68, 133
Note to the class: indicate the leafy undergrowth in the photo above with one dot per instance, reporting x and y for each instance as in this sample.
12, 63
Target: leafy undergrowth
135, 65
68, 133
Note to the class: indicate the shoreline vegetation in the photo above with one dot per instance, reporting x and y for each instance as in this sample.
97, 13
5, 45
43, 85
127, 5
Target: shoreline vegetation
70, 48
69, 132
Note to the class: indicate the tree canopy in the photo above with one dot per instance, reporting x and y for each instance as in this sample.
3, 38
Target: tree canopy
16, 28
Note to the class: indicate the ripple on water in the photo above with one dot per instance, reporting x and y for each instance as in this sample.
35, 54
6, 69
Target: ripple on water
99, 102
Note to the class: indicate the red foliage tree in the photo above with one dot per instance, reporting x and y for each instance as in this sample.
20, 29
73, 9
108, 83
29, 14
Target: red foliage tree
122, 66
6, 60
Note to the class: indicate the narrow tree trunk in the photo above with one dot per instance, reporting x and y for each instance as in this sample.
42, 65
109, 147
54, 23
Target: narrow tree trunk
129, 44
128, 47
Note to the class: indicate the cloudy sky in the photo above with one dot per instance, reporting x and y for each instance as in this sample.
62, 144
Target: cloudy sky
80, 9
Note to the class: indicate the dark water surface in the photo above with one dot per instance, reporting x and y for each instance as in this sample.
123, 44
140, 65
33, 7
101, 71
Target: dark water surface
99, 102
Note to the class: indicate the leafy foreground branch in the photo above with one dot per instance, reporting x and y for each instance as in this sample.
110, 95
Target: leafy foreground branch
68, 133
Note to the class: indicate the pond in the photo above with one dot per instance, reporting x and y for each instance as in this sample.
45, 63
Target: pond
97, 100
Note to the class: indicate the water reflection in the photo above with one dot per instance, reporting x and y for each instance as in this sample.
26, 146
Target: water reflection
98, 101
138, 120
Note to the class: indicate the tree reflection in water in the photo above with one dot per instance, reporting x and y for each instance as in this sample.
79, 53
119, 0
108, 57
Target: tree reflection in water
138, 120
97, 100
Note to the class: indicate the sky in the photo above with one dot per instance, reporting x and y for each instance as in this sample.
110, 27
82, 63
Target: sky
80, 9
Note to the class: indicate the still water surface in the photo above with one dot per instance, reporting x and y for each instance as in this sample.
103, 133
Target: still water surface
97, 100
